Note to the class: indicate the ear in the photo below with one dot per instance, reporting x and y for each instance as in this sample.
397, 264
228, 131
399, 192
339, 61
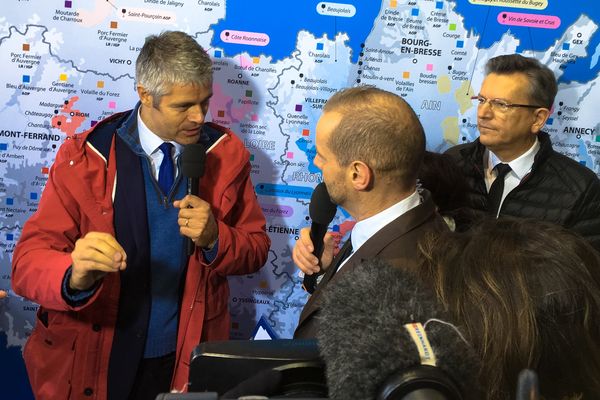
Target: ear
145, 97
361, 175
540, 116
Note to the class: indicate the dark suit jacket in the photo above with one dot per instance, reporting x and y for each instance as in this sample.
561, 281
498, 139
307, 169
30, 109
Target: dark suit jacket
395, 243
558, 189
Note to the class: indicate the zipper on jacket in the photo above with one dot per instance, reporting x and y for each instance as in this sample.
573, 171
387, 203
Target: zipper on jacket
164, 199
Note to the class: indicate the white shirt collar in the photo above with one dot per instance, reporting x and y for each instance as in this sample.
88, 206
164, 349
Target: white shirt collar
366, 228
151, 141
521, 165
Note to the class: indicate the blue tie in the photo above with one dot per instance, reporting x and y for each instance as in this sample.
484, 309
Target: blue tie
166, 172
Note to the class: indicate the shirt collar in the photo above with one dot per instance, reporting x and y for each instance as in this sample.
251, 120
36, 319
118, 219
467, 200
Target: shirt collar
366, 228
151, 141
521, 165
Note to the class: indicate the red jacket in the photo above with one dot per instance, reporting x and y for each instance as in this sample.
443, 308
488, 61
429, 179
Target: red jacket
67, 356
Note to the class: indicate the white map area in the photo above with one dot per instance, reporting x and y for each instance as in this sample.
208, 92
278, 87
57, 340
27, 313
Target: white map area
51, 56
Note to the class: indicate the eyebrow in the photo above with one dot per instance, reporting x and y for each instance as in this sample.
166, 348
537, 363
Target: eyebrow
493, 98
191, 103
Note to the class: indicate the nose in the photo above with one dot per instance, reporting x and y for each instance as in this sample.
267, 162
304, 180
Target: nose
484, 110
196, 114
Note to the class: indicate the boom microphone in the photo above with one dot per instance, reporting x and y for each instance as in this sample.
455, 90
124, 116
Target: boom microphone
321, 211
369, 351
193, 158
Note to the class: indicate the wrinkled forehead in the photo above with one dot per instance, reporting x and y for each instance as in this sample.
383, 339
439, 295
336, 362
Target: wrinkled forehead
513, 87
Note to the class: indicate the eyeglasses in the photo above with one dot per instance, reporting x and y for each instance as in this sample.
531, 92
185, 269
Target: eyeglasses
500, 105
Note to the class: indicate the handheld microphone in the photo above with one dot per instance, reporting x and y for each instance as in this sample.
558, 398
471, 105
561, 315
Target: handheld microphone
527, 386
370, 350
321, 211
193, 158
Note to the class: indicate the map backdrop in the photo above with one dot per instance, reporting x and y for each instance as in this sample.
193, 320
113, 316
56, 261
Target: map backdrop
66, 64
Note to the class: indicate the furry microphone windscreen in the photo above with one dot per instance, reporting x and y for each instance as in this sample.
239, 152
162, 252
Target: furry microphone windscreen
362, 336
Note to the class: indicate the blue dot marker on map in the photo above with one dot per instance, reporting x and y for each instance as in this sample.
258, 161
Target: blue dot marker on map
415, 12
26, 79
3, 146
10, 201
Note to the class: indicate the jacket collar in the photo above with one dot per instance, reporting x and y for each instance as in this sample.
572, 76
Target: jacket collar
476, 152
374, 245
545, 149
128, 131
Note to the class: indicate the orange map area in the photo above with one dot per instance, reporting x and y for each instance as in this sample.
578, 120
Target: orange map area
222, 106
344, 228
69, 119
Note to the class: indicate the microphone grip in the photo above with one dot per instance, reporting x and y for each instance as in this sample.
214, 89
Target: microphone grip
317, 233
192, 186
191, 246
193, 189
527, 386
310, 283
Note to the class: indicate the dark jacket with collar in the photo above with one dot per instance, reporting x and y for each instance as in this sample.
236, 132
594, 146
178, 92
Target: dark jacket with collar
397, 243
558, 189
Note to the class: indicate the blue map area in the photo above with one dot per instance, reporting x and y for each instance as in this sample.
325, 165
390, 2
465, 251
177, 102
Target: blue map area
584, 156
282, 20
13, 376
310, 152
483, 21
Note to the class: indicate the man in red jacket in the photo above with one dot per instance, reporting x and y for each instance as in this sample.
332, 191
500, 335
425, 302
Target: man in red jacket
122, 305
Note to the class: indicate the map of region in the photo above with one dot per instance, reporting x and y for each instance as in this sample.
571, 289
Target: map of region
68, 64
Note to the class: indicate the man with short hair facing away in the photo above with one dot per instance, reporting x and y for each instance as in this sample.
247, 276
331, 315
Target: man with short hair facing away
512, 169
370, 145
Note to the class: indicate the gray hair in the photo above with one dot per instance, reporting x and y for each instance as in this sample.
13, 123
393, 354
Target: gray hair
171, 58
542, 82
380, 129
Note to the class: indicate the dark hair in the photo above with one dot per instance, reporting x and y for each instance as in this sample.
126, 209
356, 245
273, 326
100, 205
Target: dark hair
442, 177
527, 295
542, 82
378, 128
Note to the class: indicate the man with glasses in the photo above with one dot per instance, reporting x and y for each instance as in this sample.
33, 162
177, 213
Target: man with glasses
511, 169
